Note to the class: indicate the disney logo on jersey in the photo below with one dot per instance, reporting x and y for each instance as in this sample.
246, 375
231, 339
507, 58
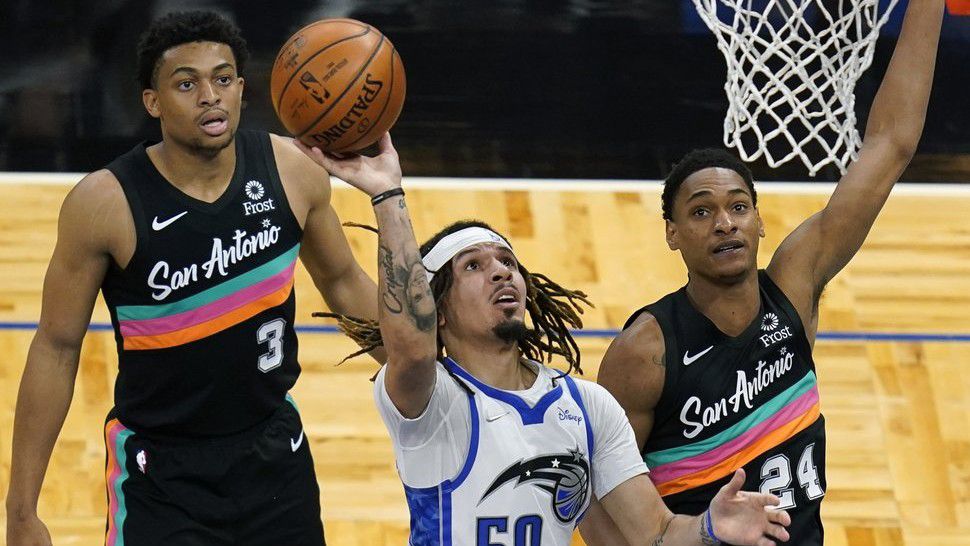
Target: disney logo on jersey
564, 476
564, 415
255, 191
163, 280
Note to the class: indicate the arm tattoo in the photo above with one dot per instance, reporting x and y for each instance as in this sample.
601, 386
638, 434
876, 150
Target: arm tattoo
706, 539
391, 301
403, 289
660, 540
420, 301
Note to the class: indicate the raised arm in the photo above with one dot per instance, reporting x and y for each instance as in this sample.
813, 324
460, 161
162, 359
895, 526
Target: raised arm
406, 308
77, 267
818, 249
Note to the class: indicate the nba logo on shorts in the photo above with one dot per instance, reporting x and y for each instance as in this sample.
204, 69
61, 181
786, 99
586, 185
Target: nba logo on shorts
142, 460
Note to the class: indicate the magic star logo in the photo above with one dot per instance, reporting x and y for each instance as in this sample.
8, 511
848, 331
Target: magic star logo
564, 476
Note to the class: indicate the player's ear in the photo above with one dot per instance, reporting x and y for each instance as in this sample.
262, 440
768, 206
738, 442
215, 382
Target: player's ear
671, 230
149, 97
761, 223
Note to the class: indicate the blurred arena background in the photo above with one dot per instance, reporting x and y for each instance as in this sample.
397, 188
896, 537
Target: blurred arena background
507, 99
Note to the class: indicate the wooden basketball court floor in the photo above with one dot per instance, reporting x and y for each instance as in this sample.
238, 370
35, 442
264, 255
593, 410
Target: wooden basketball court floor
898, 407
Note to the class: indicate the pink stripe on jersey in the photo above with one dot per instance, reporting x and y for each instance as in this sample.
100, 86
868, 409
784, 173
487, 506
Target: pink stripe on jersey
676, 469
199, 315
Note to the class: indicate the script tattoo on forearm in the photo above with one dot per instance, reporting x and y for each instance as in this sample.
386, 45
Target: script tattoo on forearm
389, 296
405, 287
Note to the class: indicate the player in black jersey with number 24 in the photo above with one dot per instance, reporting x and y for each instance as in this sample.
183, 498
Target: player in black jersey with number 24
719, 375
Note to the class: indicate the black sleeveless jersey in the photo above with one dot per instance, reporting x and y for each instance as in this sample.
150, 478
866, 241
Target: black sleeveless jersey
203, 312
749, 401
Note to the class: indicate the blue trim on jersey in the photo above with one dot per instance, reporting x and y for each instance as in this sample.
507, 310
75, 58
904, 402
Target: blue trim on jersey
590, 441
472, 448
529, 415
430, 507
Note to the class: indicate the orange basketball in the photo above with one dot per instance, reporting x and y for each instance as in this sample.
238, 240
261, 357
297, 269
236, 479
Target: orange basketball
338, 84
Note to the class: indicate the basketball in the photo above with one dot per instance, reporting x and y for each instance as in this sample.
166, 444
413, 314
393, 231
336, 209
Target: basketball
338, 84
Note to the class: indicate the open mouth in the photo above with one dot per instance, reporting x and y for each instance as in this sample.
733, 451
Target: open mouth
506, 298
728, 247
215, 123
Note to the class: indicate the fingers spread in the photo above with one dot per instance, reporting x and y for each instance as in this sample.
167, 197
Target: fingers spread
779, 532
779, 516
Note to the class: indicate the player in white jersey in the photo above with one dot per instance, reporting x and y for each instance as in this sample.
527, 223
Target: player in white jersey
494, 448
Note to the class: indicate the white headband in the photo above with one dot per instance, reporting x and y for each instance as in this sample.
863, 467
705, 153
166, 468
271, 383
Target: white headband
453, 243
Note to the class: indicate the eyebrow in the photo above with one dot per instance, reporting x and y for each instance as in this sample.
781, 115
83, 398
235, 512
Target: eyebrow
703, 193
476, 248
191, 70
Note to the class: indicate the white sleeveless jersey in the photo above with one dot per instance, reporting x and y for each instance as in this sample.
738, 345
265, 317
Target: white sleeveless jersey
525, 480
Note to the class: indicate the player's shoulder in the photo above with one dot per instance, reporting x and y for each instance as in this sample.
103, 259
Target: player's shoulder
96, 211
93, 192
298, 171
642, 338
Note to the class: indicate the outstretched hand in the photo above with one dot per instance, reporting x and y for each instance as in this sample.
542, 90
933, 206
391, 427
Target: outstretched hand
741, 517
371, 175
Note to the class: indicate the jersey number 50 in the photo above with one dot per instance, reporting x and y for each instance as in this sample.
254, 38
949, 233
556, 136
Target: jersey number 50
528, 531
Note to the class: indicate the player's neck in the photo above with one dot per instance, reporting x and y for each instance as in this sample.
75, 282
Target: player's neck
730, 306
497, 365
200, 175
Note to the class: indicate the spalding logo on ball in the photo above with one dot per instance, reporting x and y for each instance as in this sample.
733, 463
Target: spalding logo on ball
338, 84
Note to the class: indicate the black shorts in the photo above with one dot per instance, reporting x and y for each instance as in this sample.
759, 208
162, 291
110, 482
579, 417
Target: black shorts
256, 488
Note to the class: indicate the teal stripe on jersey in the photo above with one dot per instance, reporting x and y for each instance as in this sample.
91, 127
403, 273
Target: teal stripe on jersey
760, 414
122, 459
249, 278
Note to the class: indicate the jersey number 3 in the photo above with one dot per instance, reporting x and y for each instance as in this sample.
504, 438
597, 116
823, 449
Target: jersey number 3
271, 332
776, 475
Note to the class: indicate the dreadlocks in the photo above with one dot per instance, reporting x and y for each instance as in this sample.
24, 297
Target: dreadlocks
552, 309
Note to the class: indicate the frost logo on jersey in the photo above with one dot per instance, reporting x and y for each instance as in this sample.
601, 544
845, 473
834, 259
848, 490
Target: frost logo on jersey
769, 322
255, 192
564, 476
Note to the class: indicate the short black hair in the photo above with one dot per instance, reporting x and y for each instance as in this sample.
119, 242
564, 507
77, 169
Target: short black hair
698, 160
184, 27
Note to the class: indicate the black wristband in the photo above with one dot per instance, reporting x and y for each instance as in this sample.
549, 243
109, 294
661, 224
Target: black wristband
386, 195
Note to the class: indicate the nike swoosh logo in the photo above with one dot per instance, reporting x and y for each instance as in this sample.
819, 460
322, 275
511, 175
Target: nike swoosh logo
295, 444
491, 418
688, 360
159, 226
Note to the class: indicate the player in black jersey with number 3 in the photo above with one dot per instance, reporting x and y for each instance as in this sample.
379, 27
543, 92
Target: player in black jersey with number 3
193, 241
719, 375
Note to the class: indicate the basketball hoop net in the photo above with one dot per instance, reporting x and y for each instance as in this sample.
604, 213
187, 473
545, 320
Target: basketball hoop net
792, 67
